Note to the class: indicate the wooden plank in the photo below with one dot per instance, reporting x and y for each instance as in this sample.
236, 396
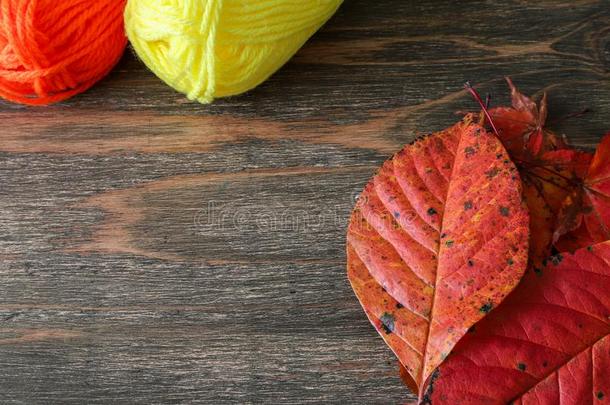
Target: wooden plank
141, 331
154, 250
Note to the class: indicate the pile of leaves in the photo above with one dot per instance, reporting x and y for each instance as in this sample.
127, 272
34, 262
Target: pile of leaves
481, 254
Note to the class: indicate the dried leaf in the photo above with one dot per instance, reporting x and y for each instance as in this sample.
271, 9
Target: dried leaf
542, 221
548, 180
524, 104
552, 172
521, 127
556, 175
585, 215
547, 343
437, 239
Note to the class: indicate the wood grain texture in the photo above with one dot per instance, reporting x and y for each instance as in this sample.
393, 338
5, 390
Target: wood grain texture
154, 250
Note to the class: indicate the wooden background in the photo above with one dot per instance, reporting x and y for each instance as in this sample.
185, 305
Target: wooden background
153, 250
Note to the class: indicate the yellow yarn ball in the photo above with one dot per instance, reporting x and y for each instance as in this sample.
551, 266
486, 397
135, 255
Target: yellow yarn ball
217, 48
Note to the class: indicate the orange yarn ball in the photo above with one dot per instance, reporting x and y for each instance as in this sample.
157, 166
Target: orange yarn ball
51, 50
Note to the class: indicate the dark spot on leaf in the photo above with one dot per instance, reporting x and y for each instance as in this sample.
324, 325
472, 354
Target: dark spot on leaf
491, 173
449, 243
590, 248
510, 262
467, 205
600, 395
387, 322
431, 211
443, 235
486, 308
469, 151
545, 364
538, 271
521, 366
504, 211
427, 397
556, 259
399, 305
499, 156
397, 214
470, 262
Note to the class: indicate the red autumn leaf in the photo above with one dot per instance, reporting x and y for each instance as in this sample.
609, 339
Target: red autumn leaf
437, 239
547, 343
544, 192
521, 127
555, 177
552, 171
542, 221
586, 212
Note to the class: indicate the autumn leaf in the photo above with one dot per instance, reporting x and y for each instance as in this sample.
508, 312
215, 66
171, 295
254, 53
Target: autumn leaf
521, 127
585, 215
550, 181
547, 343
437, 239
542, 220
552, 171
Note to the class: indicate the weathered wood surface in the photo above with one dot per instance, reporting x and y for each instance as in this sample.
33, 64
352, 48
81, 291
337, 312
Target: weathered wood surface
158, 251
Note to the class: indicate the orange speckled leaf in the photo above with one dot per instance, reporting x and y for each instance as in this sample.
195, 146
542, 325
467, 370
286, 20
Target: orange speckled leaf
437, 239
547, 343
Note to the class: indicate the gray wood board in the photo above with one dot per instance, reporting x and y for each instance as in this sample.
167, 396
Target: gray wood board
155, 250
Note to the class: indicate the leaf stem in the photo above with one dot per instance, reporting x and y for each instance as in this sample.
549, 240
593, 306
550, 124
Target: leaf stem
483, 105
